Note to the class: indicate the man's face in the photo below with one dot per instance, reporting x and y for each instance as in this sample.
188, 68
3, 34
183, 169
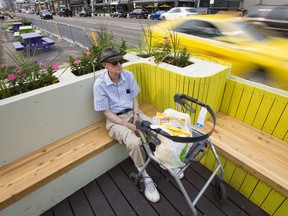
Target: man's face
114, 67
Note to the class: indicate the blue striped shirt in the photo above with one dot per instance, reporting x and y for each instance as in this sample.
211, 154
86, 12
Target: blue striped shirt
115, 97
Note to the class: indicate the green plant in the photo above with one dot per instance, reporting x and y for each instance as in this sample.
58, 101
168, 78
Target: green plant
145, 43
89, 61
26, 75
169, 50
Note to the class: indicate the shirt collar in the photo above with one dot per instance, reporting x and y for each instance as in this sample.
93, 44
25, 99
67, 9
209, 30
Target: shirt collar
108, 81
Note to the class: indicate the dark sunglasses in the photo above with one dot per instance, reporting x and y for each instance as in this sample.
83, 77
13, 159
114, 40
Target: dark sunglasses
114, 63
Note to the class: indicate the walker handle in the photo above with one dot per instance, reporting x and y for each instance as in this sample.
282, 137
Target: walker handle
144, 127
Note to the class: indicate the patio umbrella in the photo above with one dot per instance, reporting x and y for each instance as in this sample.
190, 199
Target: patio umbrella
165, 6
149, 6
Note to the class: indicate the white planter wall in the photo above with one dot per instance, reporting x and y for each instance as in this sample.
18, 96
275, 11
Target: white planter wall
46, 115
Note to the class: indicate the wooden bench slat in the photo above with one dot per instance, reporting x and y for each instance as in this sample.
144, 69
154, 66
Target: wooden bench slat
258, 139
26, 174
257, 152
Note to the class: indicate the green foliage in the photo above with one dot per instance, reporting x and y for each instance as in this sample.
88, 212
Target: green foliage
89, 61
169, 51
25, 76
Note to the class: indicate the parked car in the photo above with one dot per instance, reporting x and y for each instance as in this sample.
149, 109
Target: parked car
45, 14
84, 13
138, 14
65, 12
118, 14
157, 14
2, 15
246, 45
179, 12
275, 17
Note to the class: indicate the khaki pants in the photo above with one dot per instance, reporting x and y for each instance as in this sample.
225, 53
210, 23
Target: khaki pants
126, 136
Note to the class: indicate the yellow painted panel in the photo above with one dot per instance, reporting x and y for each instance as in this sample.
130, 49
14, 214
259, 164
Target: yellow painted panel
281, 129
166, 89
173, 89
222, 161
244, 102
229, 169
221, 80
275, 114
211, 91
235, 100
283, 209
272, 202
159, 88
264, 110
228, 93
260, 193
210, 159
253, 106
238, 178
186, 86
248, 185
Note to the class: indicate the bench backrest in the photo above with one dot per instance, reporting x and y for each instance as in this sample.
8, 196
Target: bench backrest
262, 108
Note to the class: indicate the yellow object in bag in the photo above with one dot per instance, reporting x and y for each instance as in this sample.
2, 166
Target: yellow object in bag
176, 124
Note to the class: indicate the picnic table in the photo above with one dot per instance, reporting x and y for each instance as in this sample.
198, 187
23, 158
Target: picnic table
33, 41
24, 30
15, 26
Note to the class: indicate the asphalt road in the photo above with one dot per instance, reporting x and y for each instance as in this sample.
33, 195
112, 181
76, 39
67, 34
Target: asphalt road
127, 29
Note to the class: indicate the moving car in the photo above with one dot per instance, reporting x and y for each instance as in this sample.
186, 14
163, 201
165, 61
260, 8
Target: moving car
65, 12
138, 14
45, 14
85, 13
157, 14
178, 12
118, 14
252, 52
275, 17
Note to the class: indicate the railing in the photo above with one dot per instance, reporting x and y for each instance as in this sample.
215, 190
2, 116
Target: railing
70, 33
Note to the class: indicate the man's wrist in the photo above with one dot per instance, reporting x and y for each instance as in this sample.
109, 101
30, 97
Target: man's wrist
136, 112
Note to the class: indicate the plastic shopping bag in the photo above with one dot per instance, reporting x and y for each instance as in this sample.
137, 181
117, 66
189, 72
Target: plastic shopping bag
176, 124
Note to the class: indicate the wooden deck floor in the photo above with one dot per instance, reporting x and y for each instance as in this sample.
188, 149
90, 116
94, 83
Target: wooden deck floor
114, 194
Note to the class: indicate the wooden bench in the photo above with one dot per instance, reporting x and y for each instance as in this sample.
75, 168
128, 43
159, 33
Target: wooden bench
18, 46
257, 152
27, 174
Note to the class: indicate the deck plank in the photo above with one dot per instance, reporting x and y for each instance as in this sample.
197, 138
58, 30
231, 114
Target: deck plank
114, 194
116, 199
80, 204
63, 208
97, 200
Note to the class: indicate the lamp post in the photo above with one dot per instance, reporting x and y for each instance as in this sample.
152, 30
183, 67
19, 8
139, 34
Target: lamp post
92, 8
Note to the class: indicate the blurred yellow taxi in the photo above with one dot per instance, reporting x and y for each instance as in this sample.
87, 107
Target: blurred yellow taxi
251, 51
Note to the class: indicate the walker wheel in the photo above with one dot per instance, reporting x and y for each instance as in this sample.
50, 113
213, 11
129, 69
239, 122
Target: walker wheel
137, 181
220, 191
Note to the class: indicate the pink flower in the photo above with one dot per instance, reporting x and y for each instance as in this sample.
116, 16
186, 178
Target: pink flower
88, 53
167, 41
77, 61
3, 65
55, 66
21, 72
41, 65
11, 77
17, 66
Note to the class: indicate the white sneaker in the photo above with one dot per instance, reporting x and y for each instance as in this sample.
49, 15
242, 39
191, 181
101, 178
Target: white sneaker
181, 176
151, 191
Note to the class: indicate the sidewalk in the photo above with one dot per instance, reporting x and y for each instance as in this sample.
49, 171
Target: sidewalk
61, 48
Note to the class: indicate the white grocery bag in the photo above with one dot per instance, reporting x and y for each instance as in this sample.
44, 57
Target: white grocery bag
176, 124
